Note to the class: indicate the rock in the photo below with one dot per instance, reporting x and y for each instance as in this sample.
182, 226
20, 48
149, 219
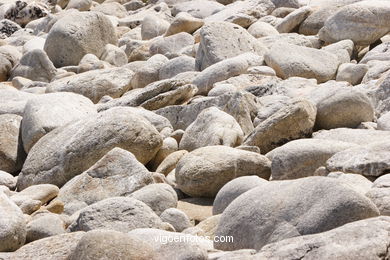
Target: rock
57, 247
234, 188
240, 105
379, 53
114, 55
153, 26
177, 218
316, 20
8, 27
118, 173
100, 244
81, 5
13, 225
352, 73
310, 205
224, 70
170, 46
95, 84
198, 8
261, 29
42, 192
301, 158
47, 112
7, 180
197, 209
242, 13
117, 213
361, 239
149, 72
35, 65
47, 225
72, 149
184, 246
384, 122
111, 9
184, 22
291, 38
212, 127
297, 61
356, 136
293, 20
156, 95
281, 127
357, 182
158, 197
213, 49
204, 171
11, 149
369, 160
170, 162
77, 34
342, 107
23, 12
176, 66
363, 22
169, 146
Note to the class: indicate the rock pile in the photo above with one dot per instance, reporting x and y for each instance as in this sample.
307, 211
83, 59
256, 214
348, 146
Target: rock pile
203, 129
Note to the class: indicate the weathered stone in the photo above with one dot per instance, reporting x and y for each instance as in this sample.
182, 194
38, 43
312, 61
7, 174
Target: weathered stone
68, 151
177, 218
204, 171
47, 225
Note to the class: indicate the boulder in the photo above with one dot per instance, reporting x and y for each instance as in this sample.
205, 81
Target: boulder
294, 121
77, 34
369, 160
114, 55
7, 180
213, 47
177, 218
261, 29
11, 149
117, 213
384, 122
197, 8
69, 150
363, 22
176, 66
102, 244
153, 26
212, 127
12, 225
35, 65
47, 112
184, 22
352, 73
356, 136
158, 197
149, 72
234, 188
170, 46
290, 60
204, 171
293, 19
170, 162
44, 225
117, 173
357, 182
95, 84
361, 239
310, 205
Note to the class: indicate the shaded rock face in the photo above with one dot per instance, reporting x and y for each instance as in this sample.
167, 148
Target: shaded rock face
310, 206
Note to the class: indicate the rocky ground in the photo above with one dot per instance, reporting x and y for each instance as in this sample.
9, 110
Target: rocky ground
133, 130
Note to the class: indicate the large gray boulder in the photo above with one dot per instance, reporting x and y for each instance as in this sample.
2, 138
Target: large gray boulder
212, 127
117, 213
77, 34
68, 151
294, 121
12, 225
310, 205
301, 158
234, 188
118, 173
11, 149
95, 84
44, 113
363, 239
363, 22
356, 136
289, 60
204, 171
213, 47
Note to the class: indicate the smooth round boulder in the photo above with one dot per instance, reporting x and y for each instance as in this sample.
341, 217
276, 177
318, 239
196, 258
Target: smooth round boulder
177, 218
77, 34
310, 205
204, 171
